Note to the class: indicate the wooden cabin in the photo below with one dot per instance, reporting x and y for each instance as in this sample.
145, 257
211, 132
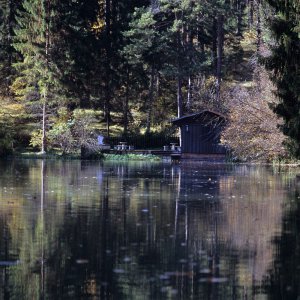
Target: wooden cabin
200, 134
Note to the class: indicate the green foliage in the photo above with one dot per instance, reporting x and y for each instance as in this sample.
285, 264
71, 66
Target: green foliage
81, 127
36, 139
6, 138
127, 59
144, 40
30, 43
284, 65
49, 36
69, 132
60, 134
10, 126
176, 41
8, 55
72, 131
131, 157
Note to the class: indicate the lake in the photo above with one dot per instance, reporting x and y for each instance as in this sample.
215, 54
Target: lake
104, 230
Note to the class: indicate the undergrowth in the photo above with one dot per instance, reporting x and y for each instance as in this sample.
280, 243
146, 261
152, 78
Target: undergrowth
126, 157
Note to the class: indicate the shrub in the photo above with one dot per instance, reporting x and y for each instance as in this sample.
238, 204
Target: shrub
252, 132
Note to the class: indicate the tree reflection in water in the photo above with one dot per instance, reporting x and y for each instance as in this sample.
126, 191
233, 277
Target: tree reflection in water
141, 231
283, 279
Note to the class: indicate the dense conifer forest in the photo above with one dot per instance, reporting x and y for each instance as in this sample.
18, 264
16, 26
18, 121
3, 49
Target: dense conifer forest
72, 69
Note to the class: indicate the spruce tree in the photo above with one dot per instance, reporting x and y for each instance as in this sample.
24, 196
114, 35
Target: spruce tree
284, 64
55, 40
111, 71
160, 40
7, 53
33, 42
142, 51
74, 47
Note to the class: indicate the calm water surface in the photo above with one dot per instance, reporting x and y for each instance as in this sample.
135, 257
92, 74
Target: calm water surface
91, 230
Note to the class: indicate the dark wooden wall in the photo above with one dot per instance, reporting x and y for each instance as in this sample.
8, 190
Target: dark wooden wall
202, 139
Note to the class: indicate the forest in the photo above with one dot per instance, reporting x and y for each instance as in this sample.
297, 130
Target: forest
72, 69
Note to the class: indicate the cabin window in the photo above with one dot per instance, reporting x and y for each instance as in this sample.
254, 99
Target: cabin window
186, 128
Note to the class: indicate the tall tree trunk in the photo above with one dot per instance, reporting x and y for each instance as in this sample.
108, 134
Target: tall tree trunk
43, 149
199, 33
157, 85
114, 14
10, 32
150, 99
220, 38
258, 26
214, 53
179, 96
250, 13
239, 17
107, 66
190, 42
179, 79
189, 95
45, 94
107, 106
125, 105
8, 39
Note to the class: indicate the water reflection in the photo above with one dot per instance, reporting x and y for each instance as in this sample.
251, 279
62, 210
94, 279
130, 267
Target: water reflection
282, 279
143, 231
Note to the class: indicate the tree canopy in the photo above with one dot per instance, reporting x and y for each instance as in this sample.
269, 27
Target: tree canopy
138, 64
284, 63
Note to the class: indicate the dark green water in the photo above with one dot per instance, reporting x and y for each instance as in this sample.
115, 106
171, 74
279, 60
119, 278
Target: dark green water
91, 230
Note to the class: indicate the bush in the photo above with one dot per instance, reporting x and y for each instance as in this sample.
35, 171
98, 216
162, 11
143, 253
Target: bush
70, 133
6, 139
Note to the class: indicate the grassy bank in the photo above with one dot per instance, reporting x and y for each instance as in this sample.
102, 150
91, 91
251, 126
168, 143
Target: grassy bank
131, 157
96, 156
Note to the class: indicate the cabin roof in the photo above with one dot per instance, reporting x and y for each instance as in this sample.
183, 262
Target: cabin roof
202, 116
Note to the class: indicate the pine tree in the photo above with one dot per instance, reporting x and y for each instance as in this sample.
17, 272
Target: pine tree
284, 64
33, 42
142, 49
54, 39
161, 39
73, 50
7, 53
111, 70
